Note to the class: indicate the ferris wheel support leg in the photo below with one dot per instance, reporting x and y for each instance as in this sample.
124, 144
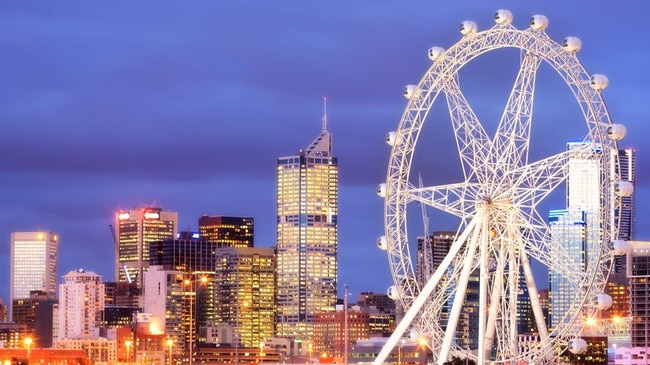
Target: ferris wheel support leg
493, 309
423, 296
534, 298
459, 298
483, 286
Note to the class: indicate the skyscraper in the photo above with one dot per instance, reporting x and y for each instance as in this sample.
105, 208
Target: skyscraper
577, 228
34, 265
307, 236
135, 230
81, 302
231, 231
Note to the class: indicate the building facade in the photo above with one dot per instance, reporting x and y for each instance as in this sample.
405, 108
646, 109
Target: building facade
330, 328
244, 293
34, 265
163, 298
135, 230
307, 236
229, 231
638, 271
81, 304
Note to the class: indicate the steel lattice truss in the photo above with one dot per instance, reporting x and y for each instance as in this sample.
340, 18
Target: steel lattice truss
501, 230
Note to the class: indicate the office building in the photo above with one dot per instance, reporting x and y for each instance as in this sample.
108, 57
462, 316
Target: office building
229, 231
638, 271
244, 293
576, 228
81, 304
135, 230
164, 299
330, 330
307, 236
34, 265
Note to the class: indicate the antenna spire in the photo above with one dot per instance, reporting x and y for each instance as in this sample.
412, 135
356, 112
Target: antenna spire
324, 120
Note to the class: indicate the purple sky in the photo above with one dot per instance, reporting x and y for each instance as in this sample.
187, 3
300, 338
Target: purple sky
108, 105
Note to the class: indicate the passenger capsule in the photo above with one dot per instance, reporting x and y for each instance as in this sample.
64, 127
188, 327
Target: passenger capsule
599, 82
393, 293
617, 132
468, 27
409, 91
503, 17
392, 139
539, 22
623, 188
435, 53
603, 301
572, 44
381, 190
620, 247
577, 346
382, 243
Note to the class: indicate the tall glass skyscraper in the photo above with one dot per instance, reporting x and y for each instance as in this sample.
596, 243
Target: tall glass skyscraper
135, 230
307, 236
34, 265
577, 227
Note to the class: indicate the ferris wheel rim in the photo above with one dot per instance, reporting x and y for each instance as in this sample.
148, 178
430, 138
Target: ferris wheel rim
425, 95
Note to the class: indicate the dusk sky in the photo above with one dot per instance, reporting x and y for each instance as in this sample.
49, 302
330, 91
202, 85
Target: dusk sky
187, 105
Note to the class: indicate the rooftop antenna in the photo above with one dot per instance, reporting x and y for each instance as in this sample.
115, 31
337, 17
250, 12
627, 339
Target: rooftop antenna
324, 120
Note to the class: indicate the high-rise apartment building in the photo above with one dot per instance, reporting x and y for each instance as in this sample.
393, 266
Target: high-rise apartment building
135, 230
230, 231
307, 236
34, 265
81, 303
244, 292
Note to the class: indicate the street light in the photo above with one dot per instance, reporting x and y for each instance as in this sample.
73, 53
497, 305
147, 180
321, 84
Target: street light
28, 343
236, 334
170, 343
261, 351
128, 344
422, 342
187, 282
310, 348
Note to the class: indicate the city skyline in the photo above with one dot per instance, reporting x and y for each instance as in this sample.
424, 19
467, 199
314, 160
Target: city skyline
188, 108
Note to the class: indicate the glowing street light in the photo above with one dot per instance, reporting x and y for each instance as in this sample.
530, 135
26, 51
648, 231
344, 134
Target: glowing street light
310, 348
422, 344
28, 343
128, 344
170, 343
187, 282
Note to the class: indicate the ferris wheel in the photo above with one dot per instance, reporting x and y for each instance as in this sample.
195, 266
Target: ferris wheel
501, 234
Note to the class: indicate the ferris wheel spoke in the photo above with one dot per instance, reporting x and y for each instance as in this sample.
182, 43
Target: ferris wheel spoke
453, 198
513, 132
471, 139
538, 179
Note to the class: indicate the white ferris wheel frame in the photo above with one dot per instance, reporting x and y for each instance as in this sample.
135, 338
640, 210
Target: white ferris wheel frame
501, 190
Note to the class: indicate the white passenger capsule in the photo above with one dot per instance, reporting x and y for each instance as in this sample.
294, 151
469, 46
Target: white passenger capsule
382, 243
620, 247
539, 22
571, 44
435, 53
409, 91
623, 188
598, 82
503, 17
392, 139
468, 27
393, 293
577, 346
617, 132
381, 190
603, 301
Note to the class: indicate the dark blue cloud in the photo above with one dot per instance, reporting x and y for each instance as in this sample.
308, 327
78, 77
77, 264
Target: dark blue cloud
108, 105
